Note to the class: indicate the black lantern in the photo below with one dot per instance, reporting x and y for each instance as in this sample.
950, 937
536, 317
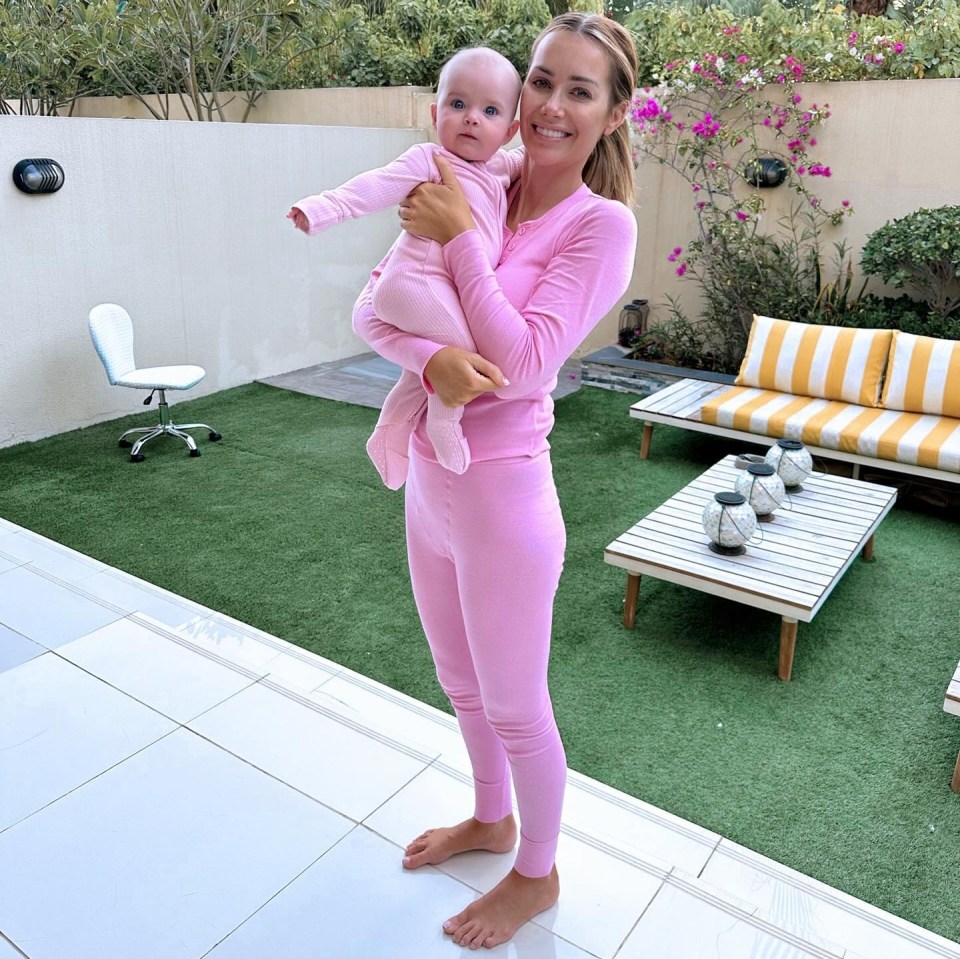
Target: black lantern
633, 322
765, 171
38, 176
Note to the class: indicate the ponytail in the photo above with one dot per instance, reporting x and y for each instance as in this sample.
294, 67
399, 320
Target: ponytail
609, 170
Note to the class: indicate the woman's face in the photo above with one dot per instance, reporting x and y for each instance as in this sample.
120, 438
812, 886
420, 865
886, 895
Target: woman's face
565, 106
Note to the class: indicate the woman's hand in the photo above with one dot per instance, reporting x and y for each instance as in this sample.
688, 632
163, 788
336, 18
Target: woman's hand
437, 211
458, 377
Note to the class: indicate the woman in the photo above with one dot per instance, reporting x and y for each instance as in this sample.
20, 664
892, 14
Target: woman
485, 548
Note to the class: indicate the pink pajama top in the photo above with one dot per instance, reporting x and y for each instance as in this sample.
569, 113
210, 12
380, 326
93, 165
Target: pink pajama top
557, 277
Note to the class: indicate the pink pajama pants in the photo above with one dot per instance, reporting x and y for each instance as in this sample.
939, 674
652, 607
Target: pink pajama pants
485, 550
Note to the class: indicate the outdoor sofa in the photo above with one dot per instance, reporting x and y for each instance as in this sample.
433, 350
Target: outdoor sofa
869, 397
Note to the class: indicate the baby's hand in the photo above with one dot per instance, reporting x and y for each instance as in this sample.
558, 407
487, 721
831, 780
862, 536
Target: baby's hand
299, 219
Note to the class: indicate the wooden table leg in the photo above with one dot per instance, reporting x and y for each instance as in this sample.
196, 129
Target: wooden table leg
788, 640
867, 551
630, 602
645, 440
955, 782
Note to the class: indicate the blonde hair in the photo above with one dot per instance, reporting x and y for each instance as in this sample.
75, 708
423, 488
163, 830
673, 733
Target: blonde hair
609, 169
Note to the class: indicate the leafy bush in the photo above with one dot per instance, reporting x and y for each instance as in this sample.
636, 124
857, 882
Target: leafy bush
711, 122
921, 251
412, 39
45, 59
898, 313
201, 53
832, 43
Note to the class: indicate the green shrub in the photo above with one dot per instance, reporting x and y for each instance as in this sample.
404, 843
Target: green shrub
903, 312
920, 251
832, 43
199, 53
44, 59
718, 114
412, 39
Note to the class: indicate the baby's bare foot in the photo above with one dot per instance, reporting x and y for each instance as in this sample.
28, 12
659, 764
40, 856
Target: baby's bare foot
436, 845
495, 917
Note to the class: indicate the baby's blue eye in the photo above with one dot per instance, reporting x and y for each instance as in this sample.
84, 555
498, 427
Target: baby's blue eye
457, 104
491, 111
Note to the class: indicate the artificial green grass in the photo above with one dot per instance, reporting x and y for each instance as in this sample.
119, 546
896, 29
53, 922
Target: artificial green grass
842, 773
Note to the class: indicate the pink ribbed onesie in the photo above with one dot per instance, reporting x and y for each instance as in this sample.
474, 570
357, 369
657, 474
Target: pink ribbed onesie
415, 292
486, 548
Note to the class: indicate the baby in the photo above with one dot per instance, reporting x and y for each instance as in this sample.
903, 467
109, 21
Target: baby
477, 96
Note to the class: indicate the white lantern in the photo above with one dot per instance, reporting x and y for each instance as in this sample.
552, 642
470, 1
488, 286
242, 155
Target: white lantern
729, 522
760, 486
792, 461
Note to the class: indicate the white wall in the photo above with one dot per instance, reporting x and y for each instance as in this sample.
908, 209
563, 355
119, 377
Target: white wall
184, 225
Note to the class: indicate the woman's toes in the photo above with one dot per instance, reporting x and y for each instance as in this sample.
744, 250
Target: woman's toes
467, 934
417, 845
415, 861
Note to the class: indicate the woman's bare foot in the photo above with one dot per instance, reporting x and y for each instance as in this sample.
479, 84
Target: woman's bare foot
436, 845
495, 917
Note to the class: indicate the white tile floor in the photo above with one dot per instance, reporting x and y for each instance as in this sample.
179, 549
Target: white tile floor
175, 785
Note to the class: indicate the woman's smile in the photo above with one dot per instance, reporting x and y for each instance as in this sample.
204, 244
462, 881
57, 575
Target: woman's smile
550, 132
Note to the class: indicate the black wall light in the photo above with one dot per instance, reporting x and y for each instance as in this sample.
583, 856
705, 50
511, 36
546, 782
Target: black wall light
38, 176
765, 171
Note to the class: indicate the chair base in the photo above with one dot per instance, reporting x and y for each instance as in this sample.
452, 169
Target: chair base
166, 427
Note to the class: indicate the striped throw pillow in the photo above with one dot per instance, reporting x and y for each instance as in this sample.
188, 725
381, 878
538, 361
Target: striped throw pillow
924, 375
829, 362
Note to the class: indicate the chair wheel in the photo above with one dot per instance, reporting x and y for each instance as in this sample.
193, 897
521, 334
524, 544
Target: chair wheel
124, 444
137, 457
214, 436
194, 452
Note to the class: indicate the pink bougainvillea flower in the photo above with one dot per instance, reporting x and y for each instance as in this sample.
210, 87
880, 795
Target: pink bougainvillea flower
845, 203
681, 269
742, 216
649, 109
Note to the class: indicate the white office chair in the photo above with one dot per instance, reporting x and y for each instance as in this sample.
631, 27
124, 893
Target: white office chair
112, 333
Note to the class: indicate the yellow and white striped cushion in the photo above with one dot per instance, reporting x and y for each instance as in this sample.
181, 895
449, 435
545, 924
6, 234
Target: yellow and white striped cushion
924, 375
923, 439
831, 362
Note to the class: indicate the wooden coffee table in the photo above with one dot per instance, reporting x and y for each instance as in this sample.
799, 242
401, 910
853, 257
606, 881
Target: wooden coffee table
806, 547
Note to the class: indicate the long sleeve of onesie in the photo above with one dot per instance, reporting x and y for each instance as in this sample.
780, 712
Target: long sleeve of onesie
556, 278
415, 293
371, 191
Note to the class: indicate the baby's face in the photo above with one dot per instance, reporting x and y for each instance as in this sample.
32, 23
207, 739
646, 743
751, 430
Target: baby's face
475, 109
